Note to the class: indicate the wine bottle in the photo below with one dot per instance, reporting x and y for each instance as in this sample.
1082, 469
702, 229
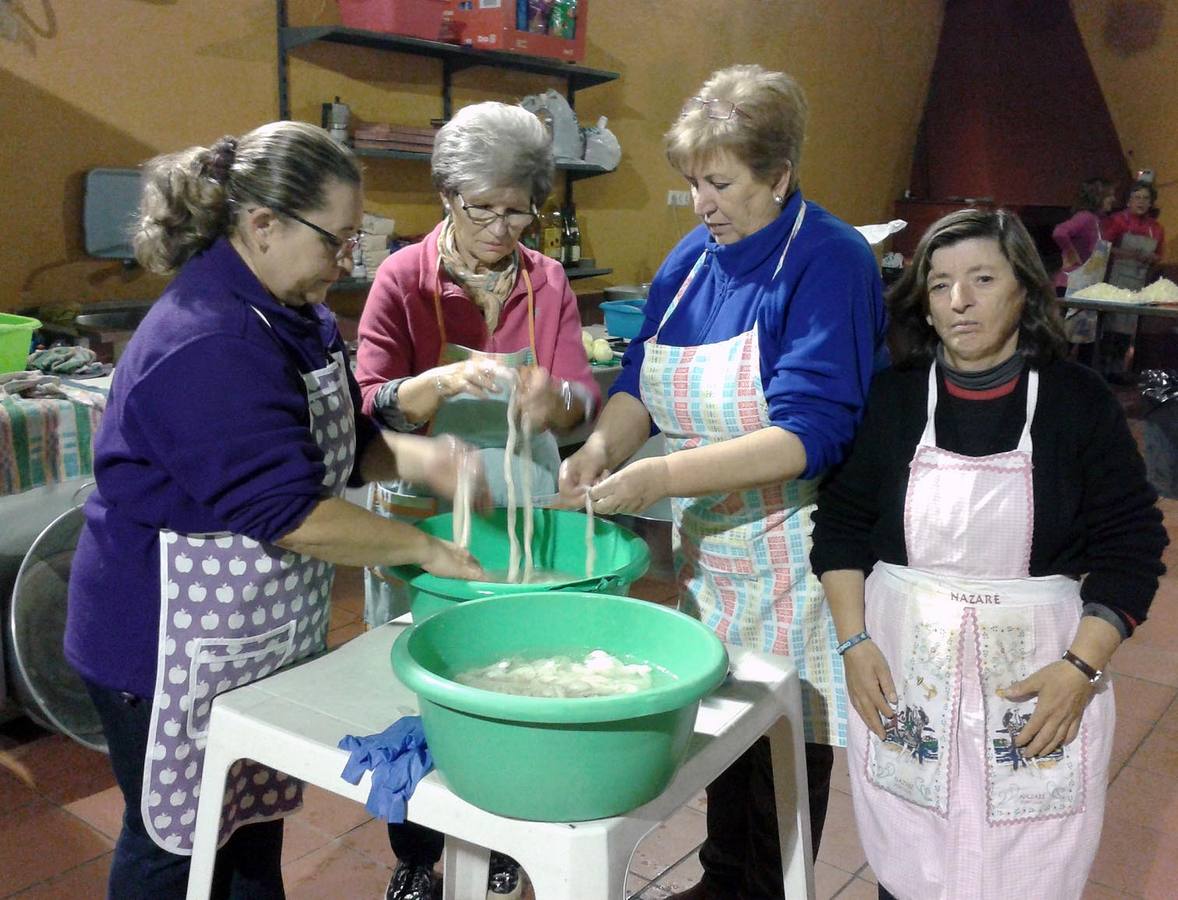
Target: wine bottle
571, 238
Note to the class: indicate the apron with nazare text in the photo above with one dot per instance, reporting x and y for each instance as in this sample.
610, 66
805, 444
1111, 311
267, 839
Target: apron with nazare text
946, 806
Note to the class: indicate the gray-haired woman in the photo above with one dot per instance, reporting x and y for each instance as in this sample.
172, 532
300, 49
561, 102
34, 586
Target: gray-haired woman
233, 427
446, 317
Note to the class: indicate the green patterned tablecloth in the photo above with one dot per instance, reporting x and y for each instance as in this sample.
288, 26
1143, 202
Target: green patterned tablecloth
45, 440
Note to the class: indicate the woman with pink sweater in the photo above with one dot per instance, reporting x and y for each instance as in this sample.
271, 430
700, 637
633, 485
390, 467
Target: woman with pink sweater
450, 324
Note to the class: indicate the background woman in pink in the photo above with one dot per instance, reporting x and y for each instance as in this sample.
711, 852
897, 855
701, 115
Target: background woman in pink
1078, 235
1077, 238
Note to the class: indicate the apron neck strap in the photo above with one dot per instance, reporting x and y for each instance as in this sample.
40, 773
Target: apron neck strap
928, 437
798, 219
523, 271
682, 290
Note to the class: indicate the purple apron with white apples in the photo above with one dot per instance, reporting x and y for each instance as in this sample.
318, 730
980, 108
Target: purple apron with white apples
233, 610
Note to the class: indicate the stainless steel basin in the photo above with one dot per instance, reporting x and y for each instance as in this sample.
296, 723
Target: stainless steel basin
104, 317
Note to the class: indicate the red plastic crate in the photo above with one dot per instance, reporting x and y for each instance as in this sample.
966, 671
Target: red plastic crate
492, 27
413, 18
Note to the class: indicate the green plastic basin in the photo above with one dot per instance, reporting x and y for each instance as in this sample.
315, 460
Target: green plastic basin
552, 759
558, 543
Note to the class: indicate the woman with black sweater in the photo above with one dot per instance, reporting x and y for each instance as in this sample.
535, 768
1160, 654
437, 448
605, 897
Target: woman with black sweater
988, 544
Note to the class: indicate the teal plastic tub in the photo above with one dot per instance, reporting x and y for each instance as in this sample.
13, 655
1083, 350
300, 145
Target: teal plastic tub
548, 759
623, 318
558, 543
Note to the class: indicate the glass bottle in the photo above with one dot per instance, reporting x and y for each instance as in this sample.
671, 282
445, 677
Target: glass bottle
572, 237
551, 231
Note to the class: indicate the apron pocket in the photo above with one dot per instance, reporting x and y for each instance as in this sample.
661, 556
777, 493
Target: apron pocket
922, 644
1018, 789
911, 761
1012, 644
219, 664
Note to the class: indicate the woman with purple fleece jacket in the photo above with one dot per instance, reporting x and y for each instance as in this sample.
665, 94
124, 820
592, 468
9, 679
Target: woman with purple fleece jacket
232, 429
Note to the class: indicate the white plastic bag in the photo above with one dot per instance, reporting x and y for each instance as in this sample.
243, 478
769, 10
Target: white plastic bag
601, 146
877, 234
552, 107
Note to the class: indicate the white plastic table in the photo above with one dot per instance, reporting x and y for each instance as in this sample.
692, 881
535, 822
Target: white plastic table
293, 721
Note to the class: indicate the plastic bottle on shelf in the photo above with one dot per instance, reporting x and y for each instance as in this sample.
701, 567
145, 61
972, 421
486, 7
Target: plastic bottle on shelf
539, 12
359, 269
562, 22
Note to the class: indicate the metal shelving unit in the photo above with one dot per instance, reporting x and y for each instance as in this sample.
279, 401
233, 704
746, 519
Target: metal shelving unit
454, 59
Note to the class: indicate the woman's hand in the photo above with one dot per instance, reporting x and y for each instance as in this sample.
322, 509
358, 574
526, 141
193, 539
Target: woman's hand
448, 560
420, 396
869, 686
1064, 693
450, 459
478, 376
538, 396
634, 488
579, 473
437, 462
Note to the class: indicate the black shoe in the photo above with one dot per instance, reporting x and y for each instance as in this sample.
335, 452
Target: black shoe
503, 879
410, 883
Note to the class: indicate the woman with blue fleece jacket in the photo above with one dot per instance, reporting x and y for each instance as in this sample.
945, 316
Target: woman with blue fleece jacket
763, 329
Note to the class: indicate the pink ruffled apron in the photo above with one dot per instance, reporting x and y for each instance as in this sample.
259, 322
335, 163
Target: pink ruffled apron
233, 610
946, 807
742, 558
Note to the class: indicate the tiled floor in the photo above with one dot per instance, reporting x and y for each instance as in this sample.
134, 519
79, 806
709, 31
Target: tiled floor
60, 810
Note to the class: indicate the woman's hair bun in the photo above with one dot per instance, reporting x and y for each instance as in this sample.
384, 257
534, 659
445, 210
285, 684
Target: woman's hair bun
220, 160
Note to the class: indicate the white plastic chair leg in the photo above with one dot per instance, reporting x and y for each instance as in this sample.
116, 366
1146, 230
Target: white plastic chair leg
208, 820
466, 867
586, 869
787, 753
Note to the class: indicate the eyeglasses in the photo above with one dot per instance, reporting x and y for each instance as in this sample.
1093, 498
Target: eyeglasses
343, 247
485, 218
715, 109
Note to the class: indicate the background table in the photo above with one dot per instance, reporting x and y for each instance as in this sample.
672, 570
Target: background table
1155, 310
293, 721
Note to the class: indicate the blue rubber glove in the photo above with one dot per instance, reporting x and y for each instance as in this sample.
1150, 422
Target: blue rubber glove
398, 759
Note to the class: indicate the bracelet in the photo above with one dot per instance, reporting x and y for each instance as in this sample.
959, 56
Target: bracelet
439, 386
851, 642
566, 394
1093, 675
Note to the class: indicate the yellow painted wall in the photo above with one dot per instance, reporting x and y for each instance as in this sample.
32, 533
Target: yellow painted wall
1133, 45
90, 83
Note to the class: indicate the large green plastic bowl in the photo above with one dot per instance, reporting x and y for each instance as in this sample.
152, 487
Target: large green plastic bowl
548, 759
558, 542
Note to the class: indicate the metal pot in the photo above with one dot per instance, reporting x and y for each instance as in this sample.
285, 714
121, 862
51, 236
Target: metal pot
627, 291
